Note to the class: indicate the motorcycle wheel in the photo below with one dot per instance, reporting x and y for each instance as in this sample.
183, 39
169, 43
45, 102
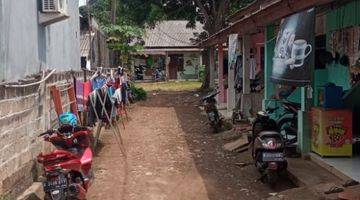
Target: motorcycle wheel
271, 177
257, 127
216, 127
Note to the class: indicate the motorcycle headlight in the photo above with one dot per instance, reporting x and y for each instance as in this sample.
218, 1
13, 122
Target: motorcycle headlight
271, 143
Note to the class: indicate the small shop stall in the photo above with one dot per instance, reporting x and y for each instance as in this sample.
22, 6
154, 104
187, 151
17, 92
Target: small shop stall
334, 117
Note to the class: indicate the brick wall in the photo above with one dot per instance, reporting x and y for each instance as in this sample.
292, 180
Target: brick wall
24, 113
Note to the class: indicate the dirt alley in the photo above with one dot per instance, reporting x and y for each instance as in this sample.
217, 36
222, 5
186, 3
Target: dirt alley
172, 154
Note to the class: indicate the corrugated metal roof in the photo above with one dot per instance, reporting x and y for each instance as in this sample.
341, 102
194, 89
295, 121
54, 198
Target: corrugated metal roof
84, 45
173, 33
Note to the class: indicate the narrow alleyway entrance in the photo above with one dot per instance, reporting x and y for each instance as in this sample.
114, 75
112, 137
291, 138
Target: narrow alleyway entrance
173, 155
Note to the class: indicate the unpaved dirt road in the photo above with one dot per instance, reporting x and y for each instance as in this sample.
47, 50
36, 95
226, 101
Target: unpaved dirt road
172, 154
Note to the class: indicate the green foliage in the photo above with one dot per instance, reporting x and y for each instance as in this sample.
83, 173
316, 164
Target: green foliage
139, 94
133, 16
124, 39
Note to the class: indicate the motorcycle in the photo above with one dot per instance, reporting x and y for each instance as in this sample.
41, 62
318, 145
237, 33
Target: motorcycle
268, 147
67, 170
212, 111
139, 70
288, 123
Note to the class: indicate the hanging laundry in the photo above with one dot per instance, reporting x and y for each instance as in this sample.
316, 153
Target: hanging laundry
80, 95
87, 91
117, 97
99, 103
239, 73
98, 81
252, 74
94, 109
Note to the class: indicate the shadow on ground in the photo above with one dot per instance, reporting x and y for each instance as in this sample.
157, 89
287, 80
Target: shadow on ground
221, 176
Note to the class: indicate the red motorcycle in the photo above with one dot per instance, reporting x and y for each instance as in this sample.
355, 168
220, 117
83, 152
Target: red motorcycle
67, 170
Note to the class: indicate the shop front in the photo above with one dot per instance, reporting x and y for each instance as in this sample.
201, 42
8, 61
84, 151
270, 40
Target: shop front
327, 119
311, 74
335, 119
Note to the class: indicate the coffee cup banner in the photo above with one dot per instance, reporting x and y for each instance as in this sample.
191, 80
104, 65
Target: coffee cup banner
293, 59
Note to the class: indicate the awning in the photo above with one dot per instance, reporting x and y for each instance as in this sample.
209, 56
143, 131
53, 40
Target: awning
165, 51
265, 14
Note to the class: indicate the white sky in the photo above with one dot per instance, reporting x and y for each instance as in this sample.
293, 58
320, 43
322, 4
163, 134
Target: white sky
82, 2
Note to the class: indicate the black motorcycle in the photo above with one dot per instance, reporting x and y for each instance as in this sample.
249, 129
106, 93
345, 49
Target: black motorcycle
139, 72
212, 111
288, 123
268, 147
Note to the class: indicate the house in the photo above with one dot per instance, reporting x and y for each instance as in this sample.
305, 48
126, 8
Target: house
169, 46
328, 36
36, 36
93, 49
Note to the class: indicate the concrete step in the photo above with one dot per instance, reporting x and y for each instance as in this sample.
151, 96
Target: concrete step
317, 192
307, 173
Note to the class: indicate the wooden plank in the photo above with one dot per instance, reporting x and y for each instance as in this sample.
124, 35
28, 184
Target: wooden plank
56, 97
239, 143
72, 101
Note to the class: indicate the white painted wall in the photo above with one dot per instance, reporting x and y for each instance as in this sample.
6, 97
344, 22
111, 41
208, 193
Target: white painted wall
26, 47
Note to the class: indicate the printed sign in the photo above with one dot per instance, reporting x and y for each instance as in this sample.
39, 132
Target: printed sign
294, 50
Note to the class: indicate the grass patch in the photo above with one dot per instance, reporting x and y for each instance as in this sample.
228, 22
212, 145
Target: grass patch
170, 86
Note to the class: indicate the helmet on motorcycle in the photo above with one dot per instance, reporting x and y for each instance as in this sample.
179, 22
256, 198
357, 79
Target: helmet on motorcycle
68, 118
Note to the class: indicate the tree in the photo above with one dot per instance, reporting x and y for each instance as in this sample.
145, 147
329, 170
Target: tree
123, 37
141, 13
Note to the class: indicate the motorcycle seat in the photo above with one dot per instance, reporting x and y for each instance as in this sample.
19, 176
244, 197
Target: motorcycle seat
291, 106
211, 95
262, 114
268, 133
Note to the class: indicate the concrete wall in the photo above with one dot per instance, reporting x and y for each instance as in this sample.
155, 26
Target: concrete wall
24, 114
26, 47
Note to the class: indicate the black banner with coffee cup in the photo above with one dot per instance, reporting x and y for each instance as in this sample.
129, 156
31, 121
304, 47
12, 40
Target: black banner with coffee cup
294, 50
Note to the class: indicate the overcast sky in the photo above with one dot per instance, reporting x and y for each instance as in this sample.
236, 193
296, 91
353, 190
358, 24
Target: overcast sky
82, 2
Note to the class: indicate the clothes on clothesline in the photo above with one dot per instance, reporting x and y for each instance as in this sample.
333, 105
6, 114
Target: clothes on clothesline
80, 95
95, 104
102, 96
87, 91
252, 74
117, 97
239, 73
98, 81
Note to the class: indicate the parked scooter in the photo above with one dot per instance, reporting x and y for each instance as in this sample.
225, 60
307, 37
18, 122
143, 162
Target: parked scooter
212, 111
139, 70
67, 170
267, 146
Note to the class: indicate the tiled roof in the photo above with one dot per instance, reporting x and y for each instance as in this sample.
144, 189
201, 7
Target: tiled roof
171, 34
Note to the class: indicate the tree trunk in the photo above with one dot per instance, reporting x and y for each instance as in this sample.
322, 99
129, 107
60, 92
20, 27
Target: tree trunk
205, 61
214, 21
